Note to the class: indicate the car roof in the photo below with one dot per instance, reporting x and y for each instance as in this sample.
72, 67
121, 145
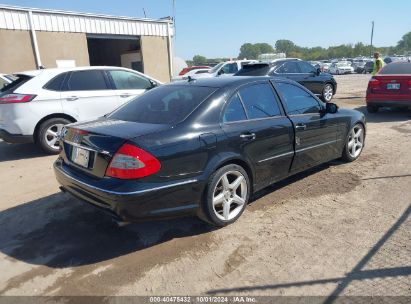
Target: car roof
225, 81
60, 70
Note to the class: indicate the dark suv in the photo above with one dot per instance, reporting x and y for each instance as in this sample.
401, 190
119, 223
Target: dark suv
321, 84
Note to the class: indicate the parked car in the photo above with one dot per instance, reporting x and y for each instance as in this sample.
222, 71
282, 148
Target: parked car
35, 106
321, 84
4, 80
391, 87
191, 73
359, 65
203, 147
368, 67
341, 67
225, 68
194, 67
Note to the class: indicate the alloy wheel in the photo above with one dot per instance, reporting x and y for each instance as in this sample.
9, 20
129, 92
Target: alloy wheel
356, 141
328, 92
52, 136
229, 195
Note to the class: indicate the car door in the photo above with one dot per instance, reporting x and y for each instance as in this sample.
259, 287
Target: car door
87, 95
128, 84
255, 124
310, 78
315, 131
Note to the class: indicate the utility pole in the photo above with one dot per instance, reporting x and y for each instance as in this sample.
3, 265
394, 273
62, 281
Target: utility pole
174, 17
372, 36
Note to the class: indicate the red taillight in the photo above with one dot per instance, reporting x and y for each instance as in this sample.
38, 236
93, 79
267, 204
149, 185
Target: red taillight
131, 162
374, 83
409, 83
16, 98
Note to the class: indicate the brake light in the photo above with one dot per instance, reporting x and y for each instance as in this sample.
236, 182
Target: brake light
131, 162
409, 83
373, 83
16, 98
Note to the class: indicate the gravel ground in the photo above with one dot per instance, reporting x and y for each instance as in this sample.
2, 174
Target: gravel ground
339, 229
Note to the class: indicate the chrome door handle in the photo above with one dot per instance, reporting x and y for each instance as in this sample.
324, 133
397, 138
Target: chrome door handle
72, 98
301, 127
249, 136
125, 95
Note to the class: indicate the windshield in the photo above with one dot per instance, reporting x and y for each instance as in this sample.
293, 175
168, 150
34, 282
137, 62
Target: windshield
215, 69
164, 105
342, 64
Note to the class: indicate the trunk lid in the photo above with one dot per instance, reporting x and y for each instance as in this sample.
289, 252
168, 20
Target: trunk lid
90, 146
392, 84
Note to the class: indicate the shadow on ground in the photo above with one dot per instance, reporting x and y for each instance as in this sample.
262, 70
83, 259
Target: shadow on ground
10, 152
59, 231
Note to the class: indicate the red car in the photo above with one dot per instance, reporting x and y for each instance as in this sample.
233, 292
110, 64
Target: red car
188, 69
391, 87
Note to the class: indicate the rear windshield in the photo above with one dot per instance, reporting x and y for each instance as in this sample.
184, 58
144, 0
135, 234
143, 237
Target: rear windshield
163, 105
254, 70
396, 68
17, 82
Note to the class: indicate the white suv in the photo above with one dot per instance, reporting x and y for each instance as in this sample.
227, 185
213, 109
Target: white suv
37, 104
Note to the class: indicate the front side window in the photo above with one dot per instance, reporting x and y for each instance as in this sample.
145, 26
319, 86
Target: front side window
288, 68
125, 80
296, 100
234, 111
163, 105
87, 81
259, 101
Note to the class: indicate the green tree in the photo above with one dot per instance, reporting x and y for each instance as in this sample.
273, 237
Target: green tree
249, 51
405, 43
264, 48
199, 60
284, 46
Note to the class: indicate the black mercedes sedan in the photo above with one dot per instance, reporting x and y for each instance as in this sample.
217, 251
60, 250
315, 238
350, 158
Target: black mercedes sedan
203, 147
321, 84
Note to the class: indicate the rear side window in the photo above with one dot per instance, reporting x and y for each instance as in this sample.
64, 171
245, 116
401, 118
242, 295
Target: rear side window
288, 68
87, 81
163, 105
234, 111
56, 83
19, 81
296, 100
259, 101
124, 80
396, 68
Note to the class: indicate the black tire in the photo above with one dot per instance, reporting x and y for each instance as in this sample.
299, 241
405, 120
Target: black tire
41, 140
346, 155
372, 109
209, 214
327, 86
338, 72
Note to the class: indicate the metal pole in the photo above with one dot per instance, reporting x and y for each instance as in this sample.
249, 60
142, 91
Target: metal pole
34, 40
372, 36
170, 49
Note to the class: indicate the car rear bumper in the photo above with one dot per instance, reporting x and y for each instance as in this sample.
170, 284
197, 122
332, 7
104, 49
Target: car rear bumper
15, 138
389, 103
141, 202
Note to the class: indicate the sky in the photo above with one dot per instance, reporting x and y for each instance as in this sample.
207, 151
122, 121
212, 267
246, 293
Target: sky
218, 28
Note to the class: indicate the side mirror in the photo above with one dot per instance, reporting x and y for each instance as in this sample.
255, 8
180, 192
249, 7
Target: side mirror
331, 108
318, 71
220, 72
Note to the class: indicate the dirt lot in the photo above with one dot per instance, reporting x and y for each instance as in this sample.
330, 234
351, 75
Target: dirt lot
338, 229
